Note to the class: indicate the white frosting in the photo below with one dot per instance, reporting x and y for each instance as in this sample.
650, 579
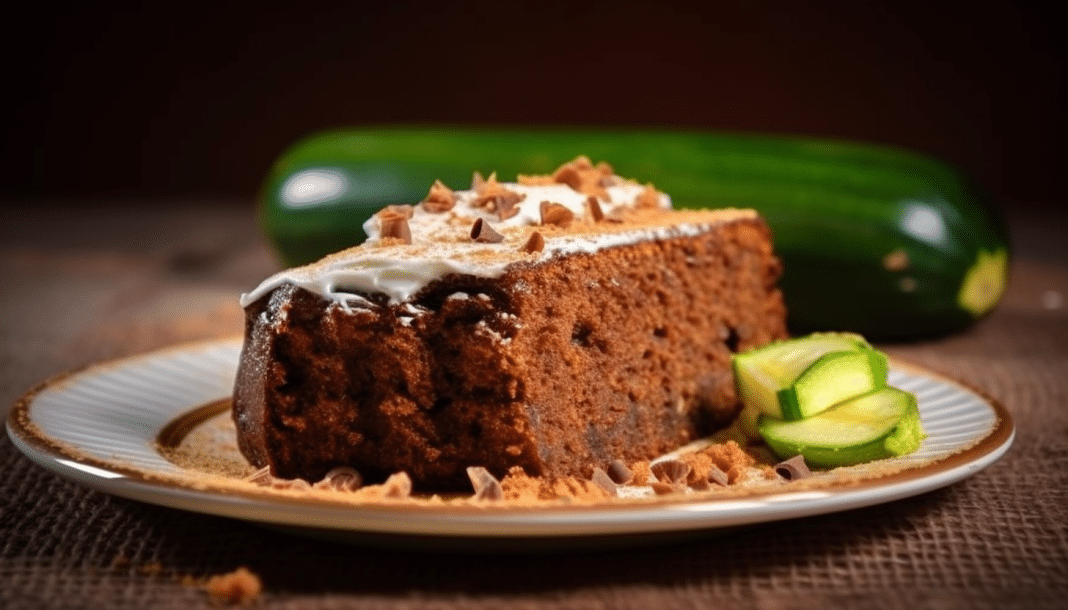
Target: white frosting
441, 244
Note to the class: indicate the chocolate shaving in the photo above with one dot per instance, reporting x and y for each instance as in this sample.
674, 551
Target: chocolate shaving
619, 473
536, 243
583, 177
793, 468
596, 213
569, 175
486, 486
556, 214
394, 224
439, 199
700, 485
483, 233
404, 210
261, 476
671, 471
601, 479
663, 489
295, 484
648, 198
341, 478
487, 187
716, 475
398, 485
477, 181
506, 204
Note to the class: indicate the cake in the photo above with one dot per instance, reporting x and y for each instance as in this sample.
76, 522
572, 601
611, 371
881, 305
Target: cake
554, 324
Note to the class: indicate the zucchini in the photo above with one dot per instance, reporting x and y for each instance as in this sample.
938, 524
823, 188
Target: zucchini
875, 240
765, 374
799, 377
880, 424
831, 379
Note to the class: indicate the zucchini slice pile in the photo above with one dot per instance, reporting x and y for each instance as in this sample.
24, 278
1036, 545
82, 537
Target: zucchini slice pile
825, 397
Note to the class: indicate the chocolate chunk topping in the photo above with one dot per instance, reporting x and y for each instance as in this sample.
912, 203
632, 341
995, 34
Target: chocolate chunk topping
556, 214
793, 468
536, 243
671, 471
506, 204
486, 486
394, 224
496, 198
398, 485
568, 175
716, 475
482, 232
619, 473
601, 479
341, 478
583, 177
596, 213
489, 186
606, 181
439, 199
648, 198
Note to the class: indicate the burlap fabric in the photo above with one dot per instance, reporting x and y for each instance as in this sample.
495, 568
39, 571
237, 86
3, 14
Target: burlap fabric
79, 286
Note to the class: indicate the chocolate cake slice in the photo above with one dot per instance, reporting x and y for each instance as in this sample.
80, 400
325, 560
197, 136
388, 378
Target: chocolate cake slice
556, 324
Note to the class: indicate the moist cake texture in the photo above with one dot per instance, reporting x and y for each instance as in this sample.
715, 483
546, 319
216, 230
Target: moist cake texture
555, 324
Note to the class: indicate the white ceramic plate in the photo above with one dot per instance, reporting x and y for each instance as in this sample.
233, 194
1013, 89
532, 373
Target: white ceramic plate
98, 427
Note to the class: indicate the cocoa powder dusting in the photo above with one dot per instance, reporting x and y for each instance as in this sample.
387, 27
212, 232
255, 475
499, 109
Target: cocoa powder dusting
641, 473
728, 457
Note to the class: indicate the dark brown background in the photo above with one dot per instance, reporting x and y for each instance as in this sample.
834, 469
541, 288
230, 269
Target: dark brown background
199, 98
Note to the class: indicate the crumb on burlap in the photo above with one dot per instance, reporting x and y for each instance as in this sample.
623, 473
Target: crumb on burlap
238, 587
120, 561
641, 473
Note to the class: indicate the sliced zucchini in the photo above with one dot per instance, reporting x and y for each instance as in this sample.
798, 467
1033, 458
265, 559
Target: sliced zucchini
761, 374
880, 424
831, 379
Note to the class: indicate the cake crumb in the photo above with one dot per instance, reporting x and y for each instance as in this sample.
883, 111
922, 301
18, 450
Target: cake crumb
521, 489
241, 586
728, 457
641, 473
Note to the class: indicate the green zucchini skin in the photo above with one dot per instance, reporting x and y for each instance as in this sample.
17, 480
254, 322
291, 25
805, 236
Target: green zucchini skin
874, 240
